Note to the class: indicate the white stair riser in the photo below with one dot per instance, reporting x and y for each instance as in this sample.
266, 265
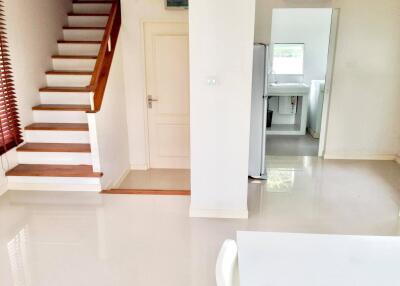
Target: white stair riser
68, 80
74, 64
56, 158
78, 49
91, 8
44, 136
54, 184
49, 116
83, 35
65, 98
87, 21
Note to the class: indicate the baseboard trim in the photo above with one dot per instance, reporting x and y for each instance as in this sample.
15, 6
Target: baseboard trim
121, 178
143, 167
313, 133
210, 213
372, 157
3, 189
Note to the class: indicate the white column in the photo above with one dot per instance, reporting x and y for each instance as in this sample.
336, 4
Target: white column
221, 54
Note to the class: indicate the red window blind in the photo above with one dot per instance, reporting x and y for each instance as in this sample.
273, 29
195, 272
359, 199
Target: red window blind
10, 131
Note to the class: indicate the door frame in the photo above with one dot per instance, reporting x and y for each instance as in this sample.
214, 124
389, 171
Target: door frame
329, 81
144, 96
328, 75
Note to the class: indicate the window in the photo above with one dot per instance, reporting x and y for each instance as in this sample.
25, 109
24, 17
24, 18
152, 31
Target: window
182, 4
10, 132
288, 59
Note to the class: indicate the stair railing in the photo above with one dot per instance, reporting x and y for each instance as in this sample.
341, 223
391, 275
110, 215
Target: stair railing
104, 59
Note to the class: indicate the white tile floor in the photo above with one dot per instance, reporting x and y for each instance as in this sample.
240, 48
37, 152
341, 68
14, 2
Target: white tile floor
82, 239
288, 145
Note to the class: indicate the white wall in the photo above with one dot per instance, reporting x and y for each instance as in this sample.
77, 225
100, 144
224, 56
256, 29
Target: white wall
307, 26
264, 9
221, 46
310, 27
108, 127
363, 115
33, 28
134, 13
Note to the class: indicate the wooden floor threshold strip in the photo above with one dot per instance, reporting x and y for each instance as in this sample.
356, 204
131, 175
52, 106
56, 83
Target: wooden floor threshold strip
147, 192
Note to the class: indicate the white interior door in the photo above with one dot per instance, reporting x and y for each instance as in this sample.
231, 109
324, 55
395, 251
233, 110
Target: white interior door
167, 82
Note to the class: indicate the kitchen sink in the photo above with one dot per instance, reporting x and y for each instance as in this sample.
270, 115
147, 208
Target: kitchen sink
288, 88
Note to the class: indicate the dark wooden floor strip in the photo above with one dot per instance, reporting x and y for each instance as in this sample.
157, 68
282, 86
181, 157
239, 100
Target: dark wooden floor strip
147, 192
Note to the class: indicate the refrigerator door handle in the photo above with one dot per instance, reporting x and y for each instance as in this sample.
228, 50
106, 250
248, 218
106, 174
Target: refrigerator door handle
264, 139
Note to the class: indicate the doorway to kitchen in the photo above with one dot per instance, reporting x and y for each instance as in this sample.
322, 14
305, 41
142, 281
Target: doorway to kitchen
300, 60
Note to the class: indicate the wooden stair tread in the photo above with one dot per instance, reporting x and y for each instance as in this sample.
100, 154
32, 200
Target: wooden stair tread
147, 192
92, 2
33, 170
54, 147
62, 107
83, 28
63, 72
64, 89
89, 14
78, 42
77, 57
58, 126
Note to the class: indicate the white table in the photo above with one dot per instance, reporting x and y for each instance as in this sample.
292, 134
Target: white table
285, 259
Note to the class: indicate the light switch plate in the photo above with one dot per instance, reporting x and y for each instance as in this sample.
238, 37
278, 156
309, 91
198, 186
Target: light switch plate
212, 81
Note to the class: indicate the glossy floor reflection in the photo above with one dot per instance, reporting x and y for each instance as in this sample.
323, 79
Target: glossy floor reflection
81, 239
292, 145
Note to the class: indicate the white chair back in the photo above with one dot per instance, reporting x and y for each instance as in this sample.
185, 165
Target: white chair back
226, 270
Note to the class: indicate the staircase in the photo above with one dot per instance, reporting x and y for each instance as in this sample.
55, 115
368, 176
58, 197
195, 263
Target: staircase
57, 154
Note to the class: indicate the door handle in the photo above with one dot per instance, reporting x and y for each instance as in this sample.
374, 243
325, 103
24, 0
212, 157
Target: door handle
150, 101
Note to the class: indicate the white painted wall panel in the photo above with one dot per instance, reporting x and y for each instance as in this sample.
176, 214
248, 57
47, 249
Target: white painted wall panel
28, 21
109, 138
221, 47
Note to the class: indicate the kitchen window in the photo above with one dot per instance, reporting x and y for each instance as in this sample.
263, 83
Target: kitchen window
288, 59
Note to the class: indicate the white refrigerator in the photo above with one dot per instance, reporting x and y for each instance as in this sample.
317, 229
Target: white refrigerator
259, 102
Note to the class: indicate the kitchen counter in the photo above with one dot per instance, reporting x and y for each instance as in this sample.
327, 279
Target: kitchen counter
299, 90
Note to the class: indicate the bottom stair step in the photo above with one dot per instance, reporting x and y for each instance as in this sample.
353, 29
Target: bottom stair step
60, 178
31, 170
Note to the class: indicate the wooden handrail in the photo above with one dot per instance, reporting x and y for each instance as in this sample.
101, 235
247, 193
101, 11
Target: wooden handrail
104, 59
